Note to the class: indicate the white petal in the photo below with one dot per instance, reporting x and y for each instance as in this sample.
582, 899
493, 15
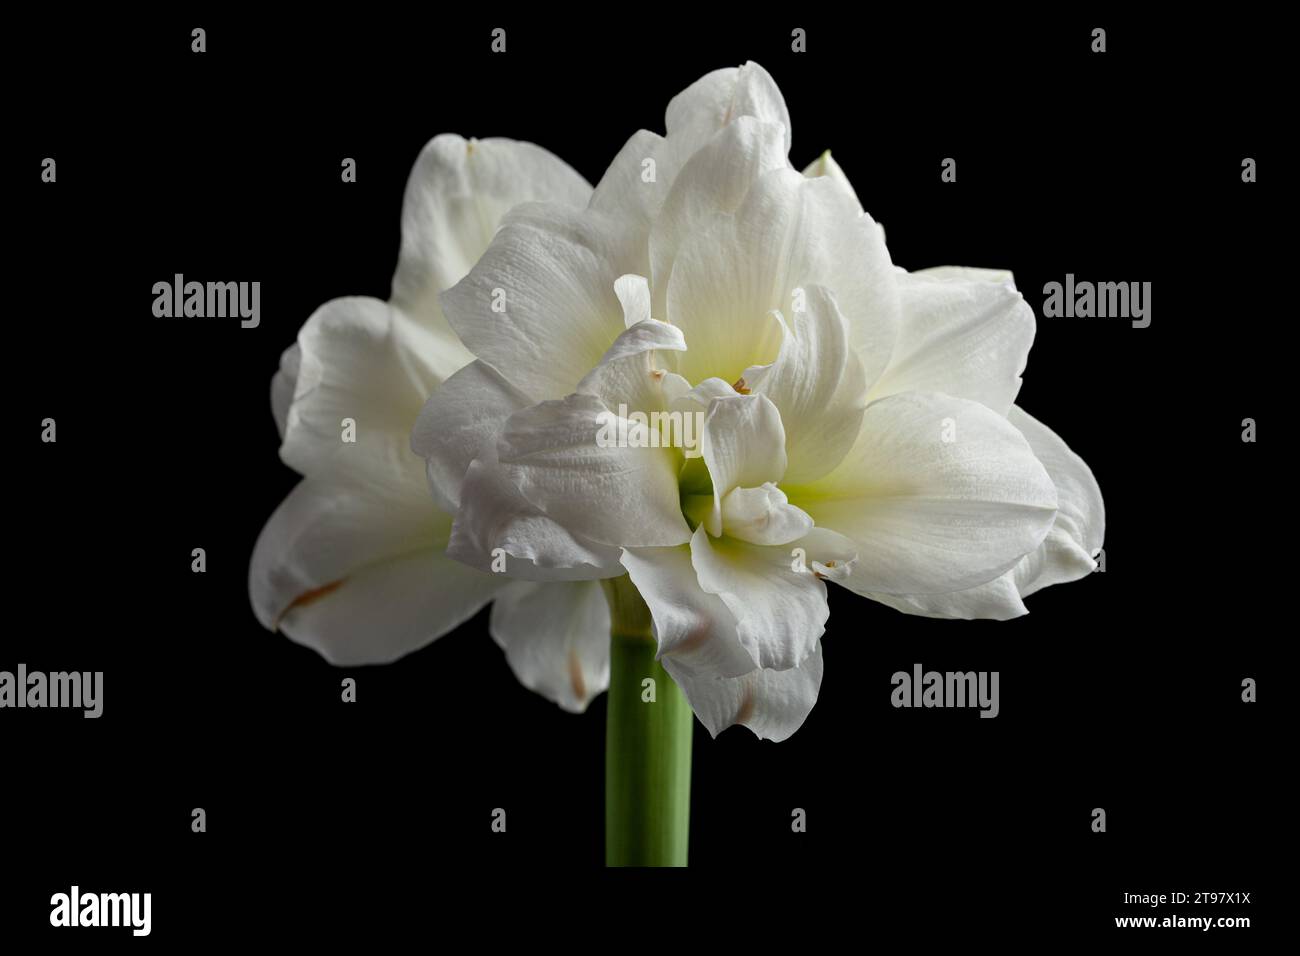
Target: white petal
743, 445
630, 372
762, 515
465, 414
540, 306
634, 295
638, 182
643, 336
722, 97
824, 165
772, 704
939, 494
283, 384
619, 496
635, 184
498, 530
715, 180
969, 273
681, 394
1071, 547
818, 385
470, 409
359, 576
351, 366
691, 624
780, 611
1066, 554
456, 196
556, 639
998, 600
828, 554
962, 334
789, 234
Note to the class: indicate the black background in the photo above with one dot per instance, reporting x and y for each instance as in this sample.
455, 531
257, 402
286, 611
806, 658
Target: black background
1120, 691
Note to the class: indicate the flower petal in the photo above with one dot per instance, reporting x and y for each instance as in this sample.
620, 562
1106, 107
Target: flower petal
772, 704
762, 515
681, 394
722, 97
968, 273
743, 445
283, 384
640, 178
544, 288
818, 386
497, 529
465, 413
715, 180
829, 555
938, 493
556, 639
619, 496
998, 600
963, 333
351, 366
360, 578
789, 233
780, 611
1066, 554
633, 293
634, 185
1070, 549
824, 165
456, 196
629, 372
692, 625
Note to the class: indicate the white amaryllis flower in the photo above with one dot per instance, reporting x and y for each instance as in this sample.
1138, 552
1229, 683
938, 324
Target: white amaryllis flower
353, 563
858, 422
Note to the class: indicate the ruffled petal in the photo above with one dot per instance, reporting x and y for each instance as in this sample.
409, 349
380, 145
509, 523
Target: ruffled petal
498, 530
465, 414
824, 165
540, 306
564, 458
939, 494
790, 233
456, 196
351, 367
692, 625
964, 333
714, 181
780, 611
762, 515
1066, 554
743, 445
360, 577
818, 384
1070, 549
772, 704
722, 97
556, 639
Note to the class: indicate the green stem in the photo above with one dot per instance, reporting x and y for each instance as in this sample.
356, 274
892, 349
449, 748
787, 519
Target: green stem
647, 744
